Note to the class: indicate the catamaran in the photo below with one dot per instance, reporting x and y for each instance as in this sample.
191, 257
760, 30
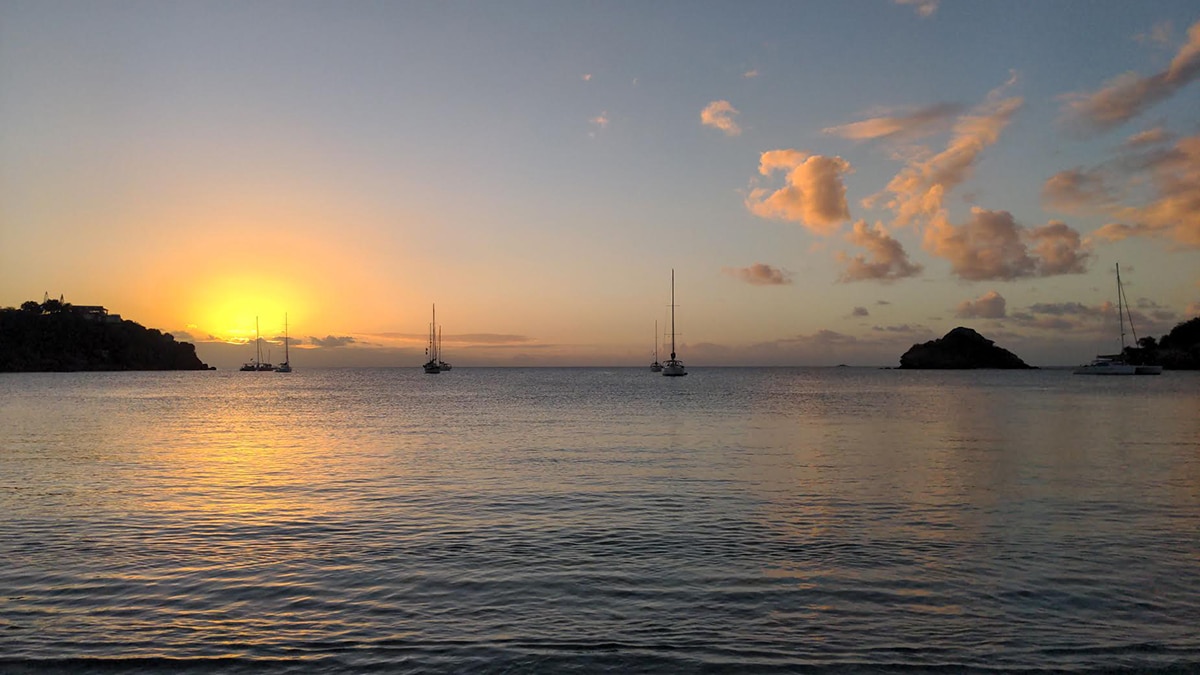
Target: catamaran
673, 367
1114, 364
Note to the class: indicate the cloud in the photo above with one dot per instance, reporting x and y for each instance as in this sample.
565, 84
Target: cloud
1147, 191
1152, 136
903, 328
587, 77
182, 336
924, 8
460, 338
1159, 34
920, 122
888, 261
759, 274
991, 305
719, 115
600, 121
1058, 248
814, 195
1076, 190
1127, 96
1194, 309
991, 246
750, 74
860, 311
920, 189
332, 341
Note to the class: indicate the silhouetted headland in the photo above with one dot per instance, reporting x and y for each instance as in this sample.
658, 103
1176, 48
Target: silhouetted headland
54, 336
960, 349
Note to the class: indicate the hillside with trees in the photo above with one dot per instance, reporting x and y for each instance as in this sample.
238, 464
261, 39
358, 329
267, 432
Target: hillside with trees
54, 336
1177, 350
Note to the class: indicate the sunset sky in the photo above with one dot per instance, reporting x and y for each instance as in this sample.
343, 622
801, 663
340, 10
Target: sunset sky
831, 181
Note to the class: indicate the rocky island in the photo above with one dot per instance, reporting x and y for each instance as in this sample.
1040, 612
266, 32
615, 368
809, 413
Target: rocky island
960, 349
54, 336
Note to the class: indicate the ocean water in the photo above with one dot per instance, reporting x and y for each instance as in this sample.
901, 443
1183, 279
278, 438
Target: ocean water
599, 520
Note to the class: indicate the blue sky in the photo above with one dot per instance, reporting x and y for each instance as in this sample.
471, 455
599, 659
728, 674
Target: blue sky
538, 168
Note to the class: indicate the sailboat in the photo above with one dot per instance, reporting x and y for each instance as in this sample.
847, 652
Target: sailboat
656, 367
432, 366
673, 367
442, 365
1114, 364
286, 366
257, 364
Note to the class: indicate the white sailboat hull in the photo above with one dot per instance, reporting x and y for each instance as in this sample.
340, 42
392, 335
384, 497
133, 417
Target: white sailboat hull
1101, 367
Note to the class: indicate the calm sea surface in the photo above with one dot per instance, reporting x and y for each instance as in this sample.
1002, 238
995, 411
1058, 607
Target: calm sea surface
582, 520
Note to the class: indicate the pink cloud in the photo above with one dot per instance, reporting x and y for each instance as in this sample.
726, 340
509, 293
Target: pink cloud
1158, 194
719, 115
991, 305
759, 274
888, 260
992, 246
921, 122
924, 8
1128, 95
814, 195
919, 190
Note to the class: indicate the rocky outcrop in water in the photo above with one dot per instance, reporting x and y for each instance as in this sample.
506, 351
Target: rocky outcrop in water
960, 349
54, 337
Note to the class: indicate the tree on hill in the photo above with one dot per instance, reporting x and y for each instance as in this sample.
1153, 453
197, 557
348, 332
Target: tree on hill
1177, 350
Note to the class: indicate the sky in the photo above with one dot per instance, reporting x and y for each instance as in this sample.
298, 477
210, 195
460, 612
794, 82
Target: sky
831, 181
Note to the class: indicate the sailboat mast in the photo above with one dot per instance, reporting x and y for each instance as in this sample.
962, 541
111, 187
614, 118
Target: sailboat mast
257, 345
1120, 310
285, 339
672, 313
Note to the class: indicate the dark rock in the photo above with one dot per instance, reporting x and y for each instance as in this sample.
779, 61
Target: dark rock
39, 341
960, 349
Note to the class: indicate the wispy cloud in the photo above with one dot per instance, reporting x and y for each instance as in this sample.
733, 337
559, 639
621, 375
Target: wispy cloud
887, 259
332, 341
990, 305
925, 8
1149, 189
759, 274
1159, 34
919, 190
1130, 94
860, 311
750, 74
813, 196
918, 123
599, 123
719, 115
586, 77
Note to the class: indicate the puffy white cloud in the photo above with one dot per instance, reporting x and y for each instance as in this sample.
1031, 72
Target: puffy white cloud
719, 115
990, 305
992, 246
887, 259
814, 194
759, 274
